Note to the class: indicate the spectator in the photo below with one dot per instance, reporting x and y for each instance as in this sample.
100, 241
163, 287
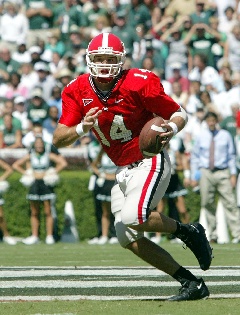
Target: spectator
201, 13
227, 21
13, 87
178, 95
138, 13
8, 109
41, 191
221, 7
234, 90
105, 170
208, 104
35, 52
149, 65
56, 100
127, 34
14, 25
177, 51
94, 12
102, 25
232, 48
37, 109
53, 45
20, 112
37, 130
29, 77
64, 77
7, 64
207, 75
39, 14
21, 54
10, 134
4, 185
45, 79
76, 46
50, 123
214, 155
217, 48
178, 77
65, 15
117, 7
225, 99
230, 122
193, 129
194, 97
56, 64
224, 69
155, 55
201, 42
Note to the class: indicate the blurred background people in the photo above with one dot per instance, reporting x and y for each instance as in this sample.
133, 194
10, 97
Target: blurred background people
4, 186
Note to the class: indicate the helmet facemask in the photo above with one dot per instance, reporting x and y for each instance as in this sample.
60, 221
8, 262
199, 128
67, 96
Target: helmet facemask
110, 45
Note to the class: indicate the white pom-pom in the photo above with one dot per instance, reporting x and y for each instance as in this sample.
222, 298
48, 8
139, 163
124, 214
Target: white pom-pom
27, 179
51, 178
4, 185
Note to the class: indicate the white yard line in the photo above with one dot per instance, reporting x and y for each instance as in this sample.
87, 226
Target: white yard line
103, 297
50, 284
19, 272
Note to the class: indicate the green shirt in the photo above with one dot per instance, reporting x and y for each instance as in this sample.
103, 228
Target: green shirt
73, 16
38, 113
128, 35
37, 22
15, 122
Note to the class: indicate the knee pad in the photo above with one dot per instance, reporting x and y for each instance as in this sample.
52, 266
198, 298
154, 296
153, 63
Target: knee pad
125, 234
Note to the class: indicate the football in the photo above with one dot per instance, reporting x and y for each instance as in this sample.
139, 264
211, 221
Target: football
150, 142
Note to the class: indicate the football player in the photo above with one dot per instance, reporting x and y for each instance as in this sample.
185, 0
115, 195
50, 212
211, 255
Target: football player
115, 104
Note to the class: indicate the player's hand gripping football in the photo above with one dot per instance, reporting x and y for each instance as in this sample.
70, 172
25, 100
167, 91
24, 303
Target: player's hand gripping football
90, 118
166, 136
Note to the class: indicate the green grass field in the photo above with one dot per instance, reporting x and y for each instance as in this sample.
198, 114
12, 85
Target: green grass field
71, 279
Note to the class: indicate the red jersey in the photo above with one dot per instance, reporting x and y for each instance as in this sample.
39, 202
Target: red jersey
136, 96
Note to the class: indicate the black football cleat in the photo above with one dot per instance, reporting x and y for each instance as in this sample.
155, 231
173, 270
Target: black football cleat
196, 240
191, 290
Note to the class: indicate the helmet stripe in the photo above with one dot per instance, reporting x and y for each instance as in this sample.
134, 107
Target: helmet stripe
105, 40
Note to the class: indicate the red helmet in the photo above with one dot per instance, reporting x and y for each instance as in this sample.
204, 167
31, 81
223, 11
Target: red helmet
105, 44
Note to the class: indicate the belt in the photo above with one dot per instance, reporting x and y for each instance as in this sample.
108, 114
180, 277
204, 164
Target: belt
216, 169
134, 164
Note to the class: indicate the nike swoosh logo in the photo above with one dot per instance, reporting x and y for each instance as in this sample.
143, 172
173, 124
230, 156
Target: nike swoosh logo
199, 286
118, 101
195, 228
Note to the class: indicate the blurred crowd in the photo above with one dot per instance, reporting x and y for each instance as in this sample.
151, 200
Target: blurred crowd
192, 45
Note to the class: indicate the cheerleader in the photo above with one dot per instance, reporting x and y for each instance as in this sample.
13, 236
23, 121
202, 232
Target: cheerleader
41, 178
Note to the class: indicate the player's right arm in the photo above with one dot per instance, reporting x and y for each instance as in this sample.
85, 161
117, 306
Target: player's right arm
66, 135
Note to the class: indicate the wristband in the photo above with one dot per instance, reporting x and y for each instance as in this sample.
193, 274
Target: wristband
174, 127
79, 130
187, 174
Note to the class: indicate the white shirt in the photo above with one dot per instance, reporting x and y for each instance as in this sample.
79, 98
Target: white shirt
14, 28
208, 76
22, 58
23, 118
